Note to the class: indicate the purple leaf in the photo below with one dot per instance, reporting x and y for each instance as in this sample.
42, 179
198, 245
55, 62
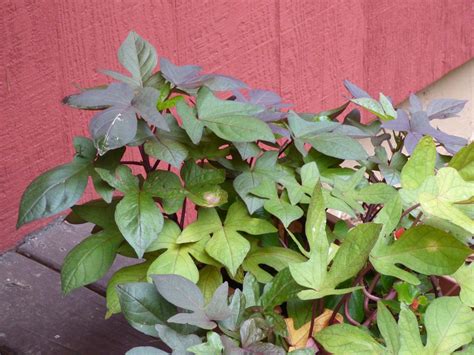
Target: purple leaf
145, 105
218, 308
113, 128
401, 123
265, 98
411, 141
356, 91
415, 104
179, 291
444, 108
179, 75
116, 94
218, 82
188, 77
418, 126
198, 318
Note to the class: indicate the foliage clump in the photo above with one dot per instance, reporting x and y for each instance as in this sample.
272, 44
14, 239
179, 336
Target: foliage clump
262, 267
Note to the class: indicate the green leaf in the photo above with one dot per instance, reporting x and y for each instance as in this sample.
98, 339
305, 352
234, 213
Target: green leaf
193, 127
84, 148
438, 196
88, 261
284, 211
353, 253
390, 113
167, 150
388, 328
449, 324
299, 311
228, 247
464, 276
301, 127
109, 161
251, 290
315, 230
176, 259
346, 339
98, 212
138, 57
144, 307
207, 223
122, 179
210, 278
247, 150
202, 185
230, 120
424, 249
213, 346
128, 274
275, 257
54, 191
167, 186
244, 184
337, 145
376, 193
372, 106
410, 341
463, 161
139, 219
420, 165
238, 219
315, 227
281, 289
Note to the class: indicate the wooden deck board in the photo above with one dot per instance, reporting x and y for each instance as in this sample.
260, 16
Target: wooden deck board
37, 319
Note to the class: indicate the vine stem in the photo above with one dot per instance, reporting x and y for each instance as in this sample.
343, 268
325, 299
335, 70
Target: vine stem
408, 210
369, 291
346, 296
155, 165
183, 214
128, 162
145, 158
313, 316
391, 295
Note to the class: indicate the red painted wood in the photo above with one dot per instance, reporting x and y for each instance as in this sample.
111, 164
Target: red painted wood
302, 48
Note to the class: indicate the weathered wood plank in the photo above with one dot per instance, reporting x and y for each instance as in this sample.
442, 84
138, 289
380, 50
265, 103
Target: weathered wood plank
37, 319
49, 246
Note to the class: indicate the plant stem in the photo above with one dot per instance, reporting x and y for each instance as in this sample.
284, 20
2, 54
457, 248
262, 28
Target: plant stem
284, 146
408, 210
346, 296
183, 214
128, 162
145, 158
155, 165
313, 316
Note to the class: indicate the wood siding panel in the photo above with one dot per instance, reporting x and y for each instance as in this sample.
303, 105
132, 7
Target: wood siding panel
302, 48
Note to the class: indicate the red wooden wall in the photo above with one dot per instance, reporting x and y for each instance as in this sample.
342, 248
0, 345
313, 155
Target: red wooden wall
302, 49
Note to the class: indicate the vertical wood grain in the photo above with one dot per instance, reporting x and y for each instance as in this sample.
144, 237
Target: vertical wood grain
238, 38
302, 48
